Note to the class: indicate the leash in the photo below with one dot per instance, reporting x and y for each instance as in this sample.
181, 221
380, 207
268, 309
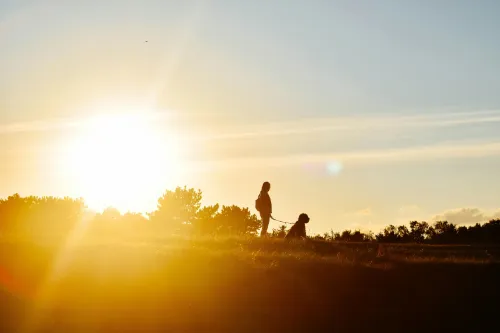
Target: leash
272, 218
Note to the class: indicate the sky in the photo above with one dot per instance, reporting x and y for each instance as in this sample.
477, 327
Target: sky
360, 114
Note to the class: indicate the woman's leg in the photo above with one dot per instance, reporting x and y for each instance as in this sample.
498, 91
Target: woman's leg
265, 224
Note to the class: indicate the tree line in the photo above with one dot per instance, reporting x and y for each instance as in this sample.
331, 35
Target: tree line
180, 212
440, 232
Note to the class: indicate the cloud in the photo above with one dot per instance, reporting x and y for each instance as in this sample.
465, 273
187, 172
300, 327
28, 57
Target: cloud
356, 123
455, 149
337, 159
360, 219
66, 123
466, 216
293, 127
37, 126
364, 212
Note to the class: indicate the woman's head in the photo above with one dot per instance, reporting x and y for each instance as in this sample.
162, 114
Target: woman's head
266, 187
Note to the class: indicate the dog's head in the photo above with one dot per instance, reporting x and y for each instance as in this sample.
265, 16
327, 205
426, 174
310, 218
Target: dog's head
303, 218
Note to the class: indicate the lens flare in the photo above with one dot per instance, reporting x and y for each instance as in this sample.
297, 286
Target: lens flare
331, 168
334, 168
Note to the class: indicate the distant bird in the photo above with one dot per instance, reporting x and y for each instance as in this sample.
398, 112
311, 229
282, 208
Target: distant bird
145, 41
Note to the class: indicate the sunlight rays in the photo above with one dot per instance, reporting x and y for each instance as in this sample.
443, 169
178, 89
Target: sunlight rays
46, 295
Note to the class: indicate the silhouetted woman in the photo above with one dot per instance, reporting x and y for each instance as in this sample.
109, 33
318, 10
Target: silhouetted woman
265, 207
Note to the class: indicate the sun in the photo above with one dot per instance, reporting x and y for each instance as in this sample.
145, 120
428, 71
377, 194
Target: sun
124, 161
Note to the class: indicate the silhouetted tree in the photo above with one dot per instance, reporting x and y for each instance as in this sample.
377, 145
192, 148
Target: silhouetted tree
279, 232
418, 231
345, 236
444, 232
492, 232
235, 220
403, 234
205, 220
177, 209
350, 236
388, 235
180, 210
109, 213
463, 235
112, 223
40, 215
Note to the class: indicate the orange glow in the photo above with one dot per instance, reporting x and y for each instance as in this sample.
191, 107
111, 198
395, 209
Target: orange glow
121, 160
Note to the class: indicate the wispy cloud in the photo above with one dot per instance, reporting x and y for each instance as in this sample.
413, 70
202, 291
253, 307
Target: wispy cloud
362, 212
38, 126
355, 123
56, 124
439, 151
283, 128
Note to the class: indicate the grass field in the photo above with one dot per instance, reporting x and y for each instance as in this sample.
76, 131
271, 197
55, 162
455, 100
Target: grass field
249, 284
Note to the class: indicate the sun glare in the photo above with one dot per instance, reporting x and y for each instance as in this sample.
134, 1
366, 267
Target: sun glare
124, 161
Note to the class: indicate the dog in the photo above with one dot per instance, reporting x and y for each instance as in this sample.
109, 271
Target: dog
298, 230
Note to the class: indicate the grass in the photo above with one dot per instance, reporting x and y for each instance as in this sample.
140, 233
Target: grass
244, 284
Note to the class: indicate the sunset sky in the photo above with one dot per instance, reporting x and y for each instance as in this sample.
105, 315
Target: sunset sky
359, 113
